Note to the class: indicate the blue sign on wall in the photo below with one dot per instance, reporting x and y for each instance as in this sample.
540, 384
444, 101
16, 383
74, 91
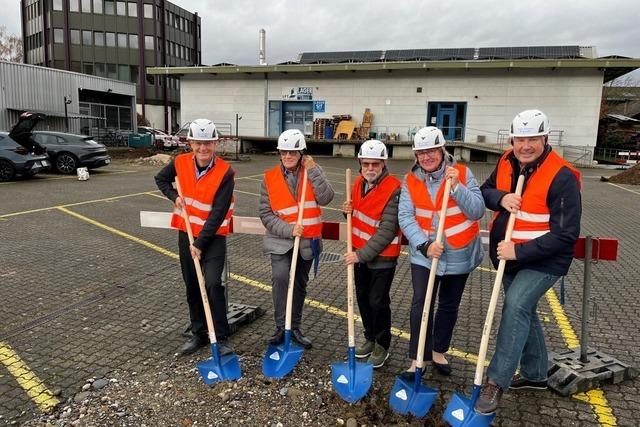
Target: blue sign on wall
318, 106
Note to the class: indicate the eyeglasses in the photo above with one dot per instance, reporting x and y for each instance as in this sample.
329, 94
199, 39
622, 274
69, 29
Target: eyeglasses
371, 165
433, 152
285, 153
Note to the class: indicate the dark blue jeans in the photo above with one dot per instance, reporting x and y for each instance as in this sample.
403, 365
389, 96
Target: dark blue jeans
520, 336
448, 291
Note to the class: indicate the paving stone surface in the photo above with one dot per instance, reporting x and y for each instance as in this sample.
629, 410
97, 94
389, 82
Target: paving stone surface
79, 301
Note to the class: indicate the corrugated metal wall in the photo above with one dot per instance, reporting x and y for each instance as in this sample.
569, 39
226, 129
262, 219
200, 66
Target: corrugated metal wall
43, 89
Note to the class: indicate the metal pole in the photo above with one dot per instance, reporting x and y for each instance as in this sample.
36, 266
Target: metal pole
586, 294
225, 281
66, 117
237, 140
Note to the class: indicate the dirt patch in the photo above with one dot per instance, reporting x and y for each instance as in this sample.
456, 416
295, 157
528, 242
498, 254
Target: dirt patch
174, 394
130, 153
630, 176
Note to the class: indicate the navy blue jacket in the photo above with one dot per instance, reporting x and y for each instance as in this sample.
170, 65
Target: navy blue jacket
552, 252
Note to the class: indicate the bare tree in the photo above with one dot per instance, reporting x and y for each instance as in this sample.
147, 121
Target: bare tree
10, 46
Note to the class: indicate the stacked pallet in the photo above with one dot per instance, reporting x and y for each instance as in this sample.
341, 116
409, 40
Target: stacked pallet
319, 126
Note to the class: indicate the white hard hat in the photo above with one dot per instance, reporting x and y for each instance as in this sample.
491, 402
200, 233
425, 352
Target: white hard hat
428, 137
373, 149
202, 130
291, 140
530, 123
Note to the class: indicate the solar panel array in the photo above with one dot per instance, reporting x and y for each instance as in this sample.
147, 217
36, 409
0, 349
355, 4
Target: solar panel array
340, 57
529, 52
430, 54
445, 54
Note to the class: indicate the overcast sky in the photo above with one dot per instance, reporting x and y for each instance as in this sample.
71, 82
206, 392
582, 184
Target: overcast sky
230, 27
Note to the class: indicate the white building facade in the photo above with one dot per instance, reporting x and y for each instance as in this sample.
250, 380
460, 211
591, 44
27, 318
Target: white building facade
471, 101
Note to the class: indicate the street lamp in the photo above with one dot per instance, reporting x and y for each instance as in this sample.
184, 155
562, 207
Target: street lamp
67, 101
238, 118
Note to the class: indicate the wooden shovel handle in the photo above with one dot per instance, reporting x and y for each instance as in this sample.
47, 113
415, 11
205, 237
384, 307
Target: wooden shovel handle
196, 261
296, 248
424, 323
486, 330
351, 327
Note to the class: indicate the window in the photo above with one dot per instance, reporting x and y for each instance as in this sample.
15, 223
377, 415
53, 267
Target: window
123, 73
86, 38
133, 9
148, 42
75, 36
148, 11
108, 8
121, 8
97, 6
98, 38
76, 66
87, 68
134, 74
111, 39
74, 6
111, 71
57, 4
133, 41
58, 35
86, 6
99, 69
122, 40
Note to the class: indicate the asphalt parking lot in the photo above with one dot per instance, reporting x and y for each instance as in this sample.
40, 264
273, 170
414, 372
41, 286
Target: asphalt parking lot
85, 290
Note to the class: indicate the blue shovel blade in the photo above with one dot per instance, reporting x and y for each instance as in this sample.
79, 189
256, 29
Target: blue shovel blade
411, 397
280, 359
460, 413
351, 383
225, 368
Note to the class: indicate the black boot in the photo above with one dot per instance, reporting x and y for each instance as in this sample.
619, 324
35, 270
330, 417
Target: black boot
193, 344
301, 339
277, 337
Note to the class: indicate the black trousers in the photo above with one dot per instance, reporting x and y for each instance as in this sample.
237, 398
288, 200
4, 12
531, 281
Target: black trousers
448, 291
280, 266
212, 262
372, 293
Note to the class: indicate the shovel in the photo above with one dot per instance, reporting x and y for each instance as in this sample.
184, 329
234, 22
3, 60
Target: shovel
412, 397
218, 368
460, 410
280, 359
351, 379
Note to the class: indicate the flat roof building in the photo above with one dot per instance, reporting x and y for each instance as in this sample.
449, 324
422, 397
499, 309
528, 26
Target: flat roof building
117, 40
472, 94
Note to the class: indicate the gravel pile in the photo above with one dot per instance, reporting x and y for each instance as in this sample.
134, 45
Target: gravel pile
630, 176
173, 394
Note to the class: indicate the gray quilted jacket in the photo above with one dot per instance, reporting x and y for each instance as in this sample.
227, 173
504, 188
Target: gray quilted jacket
278, 238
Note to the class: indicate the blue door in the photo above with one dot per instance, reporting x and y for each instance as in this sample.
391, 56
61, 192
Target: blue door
446, 121
450, 117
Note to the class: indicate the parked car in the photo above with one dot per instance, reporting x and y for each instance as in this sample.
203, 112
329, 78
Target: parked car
182, 133
69, 151
19, 153
161, 139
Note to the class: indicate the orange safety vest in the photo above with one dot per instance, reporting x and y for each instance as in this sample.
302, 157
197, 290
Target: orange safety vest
532, 220
199, 194
286, 207
367, 212
459, 231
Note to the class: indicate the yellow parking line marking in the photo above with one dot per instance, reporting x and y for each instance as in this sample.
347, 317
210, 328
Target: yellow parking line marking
250, 176
119, 233
108, 199
159, 196
600, 406
35, 388
568, 334
625, 189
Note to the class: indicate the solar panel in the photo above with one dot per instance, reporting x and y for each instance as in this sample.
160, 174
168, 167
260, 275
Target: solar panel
529, 52
429, 54
340, 57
